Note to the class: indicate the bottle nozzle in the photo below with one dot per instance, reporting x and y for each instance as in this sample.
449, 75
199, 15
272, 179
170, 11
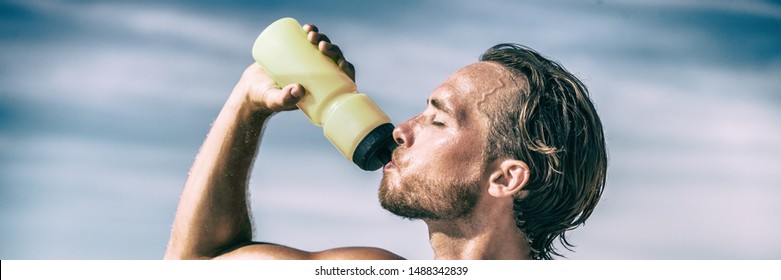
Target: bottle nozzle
375, 149
385, 155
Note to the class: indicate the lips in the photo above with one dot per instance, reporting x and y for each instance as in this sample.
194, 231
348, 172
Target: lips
392, 163
388, 166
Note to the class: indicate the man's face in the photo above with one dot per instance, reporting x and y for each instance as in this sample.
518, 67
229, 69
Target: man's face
438, 171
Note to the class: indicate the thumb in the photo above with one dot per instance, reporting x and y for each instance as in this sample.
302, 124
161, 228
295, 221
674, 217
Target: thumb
284, 99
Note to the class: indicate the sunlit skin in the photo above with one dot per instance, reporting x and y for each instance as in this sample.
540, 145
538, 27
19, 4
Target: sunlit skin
440, 150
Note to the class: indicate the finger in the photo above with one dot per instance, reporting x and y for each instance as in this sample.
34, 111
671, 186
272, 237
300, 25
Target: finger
296, 90
315, 38
310, 28
291, 93
283, 99
330, 50
347, 68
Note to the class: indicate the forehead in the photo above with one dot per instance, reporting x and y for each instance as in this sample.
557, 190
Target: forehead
471, 86
479, 73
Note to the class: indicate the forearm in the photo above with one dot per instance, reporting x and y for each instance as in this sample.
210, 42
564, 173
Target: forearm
213, 213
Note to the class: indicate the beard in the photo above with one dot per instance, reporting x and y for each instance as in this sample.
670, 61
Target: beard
424, 197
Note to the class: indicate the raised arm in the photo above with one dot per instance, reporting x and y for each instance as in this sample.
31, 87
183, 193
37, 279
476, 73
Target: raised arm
213, 218
213, 214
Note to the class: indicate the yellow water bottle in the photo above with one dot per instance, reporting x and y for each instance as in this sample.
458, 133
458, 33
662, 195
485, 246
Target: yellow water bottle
350, 120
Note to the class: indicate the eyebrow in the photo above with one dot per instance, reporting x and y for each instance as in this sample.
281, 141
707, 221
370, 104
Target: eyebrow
439, 105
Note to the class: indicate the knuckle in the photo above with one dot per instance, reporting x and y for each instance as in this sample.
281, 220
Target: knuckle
323, 37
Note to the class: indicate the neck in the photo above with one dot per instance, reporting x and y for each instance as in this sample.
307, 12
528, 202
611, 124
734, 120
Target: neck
491, 234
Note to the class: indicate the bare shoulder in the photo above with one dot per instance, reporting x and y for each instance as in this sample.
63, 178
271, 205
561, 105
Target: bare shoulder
356, 253
269, 251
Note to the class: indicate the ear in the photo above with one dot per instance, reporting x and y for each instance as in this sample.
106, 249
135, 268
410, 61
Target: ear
509, 178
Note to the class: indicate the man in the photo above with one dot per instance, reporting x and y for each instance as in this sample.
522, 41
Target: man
507, 157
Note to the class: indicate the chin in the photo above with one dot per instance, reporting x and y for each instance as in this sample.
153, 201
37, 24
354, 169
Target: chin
391, 174
390, 187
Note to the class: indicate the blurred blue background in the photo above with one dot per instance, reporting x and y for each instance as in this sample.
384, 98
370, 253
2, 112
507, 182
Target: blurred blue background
104, 104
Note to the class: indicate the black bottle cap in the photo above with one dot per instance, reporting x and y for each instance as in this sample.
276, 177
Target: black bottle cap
375, 149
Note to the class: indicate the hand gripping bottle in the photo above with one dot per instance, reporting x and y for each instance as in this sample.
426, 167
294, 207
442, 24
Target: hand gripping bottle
350, 120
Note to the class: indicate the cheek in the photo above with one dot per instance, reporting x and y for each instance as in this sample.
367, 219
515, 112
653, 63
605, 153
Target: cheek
466, 160
452, 156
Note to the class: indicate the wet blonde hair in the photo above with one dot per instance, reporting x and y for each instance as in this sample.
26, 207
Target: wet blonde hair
551, 124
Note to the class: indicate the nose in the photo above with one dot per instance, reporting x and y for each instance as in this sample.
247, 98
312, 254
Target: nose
403, 134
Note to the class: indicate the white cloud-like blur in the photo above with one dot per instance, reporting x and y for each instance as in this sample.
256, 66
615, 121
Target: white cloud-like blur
103, 106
